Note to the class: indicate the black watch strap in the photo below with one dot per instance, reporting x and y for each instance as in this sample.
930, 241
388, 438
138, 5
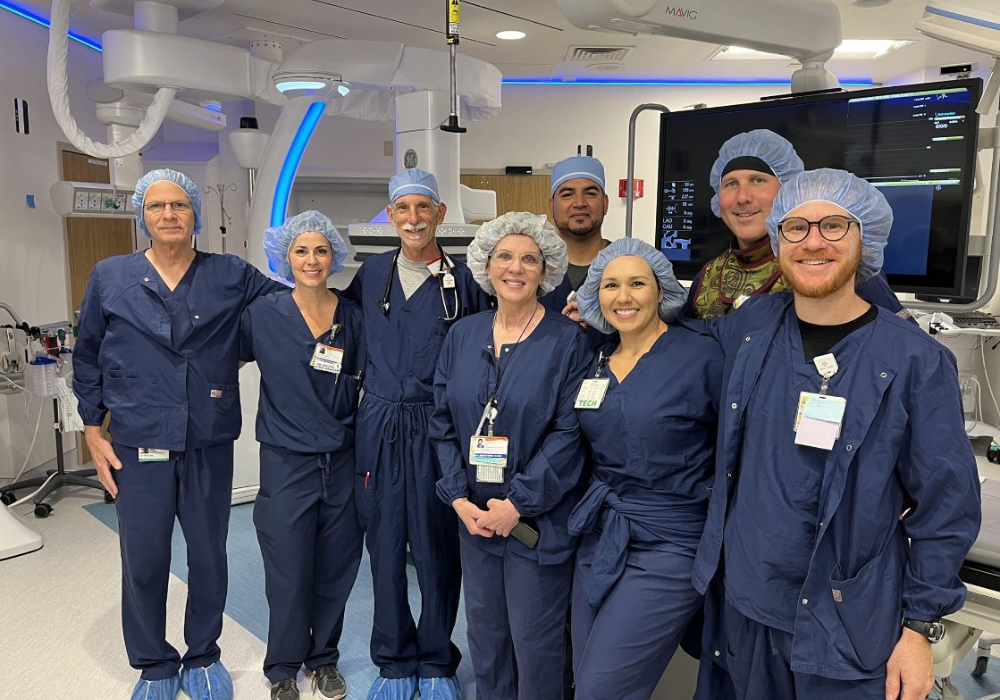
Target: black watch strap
933, 630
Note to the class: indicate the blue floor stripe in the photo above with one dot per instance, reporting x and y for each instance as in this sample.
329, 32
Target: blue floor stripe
247, 605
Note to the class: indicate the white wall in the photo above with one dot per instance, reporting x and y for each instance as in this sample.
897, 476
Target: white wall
34, 277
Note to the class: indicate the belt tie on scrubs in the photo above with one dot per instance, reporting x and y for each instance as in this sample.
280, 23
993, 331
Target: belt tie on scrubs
325, 462
624, 521
410, 422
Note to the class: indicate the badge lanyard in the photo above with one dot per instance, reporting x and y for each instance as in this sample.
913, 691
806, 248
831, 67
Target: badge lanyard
489, 454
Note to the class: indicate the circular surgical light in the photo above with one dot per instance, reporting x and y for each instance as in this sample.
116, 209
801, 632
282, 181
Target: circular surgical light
510, 35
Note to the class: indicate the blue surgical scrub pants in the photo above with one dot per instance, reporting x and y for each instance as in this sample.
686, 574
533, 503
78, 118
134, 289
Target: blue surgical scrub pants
196, 486
516, 611
759, 660
622, 648
309, 536
397, 472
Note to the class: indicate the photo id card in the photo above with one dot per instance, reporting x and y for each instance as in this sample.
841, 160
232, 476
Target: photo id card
327, 359
489, 455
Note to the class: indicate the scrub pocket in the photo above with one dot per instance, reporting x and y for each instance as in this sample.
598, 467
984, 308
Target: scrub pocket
870, 609
136, 400
225, 416
263, 519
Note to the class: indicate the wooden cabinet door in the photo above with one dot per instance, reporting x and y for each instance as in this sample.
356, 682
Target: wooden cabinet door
514, 192
89, 240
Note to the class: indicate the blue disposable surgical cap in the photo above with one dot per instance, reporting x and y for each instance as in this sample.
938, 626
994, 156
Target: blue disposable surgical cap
588, 296
166, 175
775, 151
413, 181
278, 240
859, 198
552, 247
577, 167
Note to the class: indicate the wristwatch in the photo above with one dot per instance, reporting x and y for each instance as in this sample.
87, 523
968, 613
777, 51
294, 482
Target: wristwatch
933, 630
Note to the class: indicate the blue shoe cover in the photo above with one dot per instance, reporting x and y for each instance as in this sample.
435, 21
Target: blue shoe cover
393, 688
440, 689
165, 689
208, 683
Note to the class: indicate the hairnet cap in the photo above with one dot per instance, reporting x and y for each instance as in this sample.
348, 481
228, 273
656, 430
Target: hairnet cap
775, 151
588, 296
166, 175
577, 167
413, 181
514, 222
278, 241
860, 198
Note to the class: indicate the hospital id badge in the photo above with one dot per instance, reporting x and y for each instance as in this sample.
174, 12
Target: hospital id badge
592, 392
327, 359
489, 455
448, 281
149, 454
819, 419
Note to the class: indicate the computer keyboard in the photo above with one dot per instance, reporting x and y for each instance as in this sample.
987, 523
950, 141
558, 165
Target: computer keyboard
976, 319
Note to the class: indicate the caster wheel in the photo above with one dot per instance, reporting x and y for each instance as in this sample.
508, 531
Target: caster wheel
7, 498
980, 668
108, 498
42, 510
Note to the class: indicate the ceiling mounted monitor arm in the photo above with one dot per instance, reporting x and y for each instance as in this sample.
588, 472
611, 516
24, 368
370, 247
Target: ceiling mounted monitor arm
806, 30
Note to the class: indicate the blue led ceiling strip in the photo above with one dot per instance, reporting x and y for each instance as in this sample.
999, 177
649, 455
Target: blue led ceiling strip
284, 187
20, 12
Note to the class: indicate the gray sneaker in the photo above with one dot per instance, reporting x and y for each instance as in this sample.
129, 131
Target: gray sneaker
285, 690
329, 684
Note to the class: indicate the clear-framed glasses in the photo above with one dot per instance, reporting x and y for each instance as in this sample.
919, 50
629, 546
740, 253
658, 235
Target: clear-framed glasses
160, 207
832, 228
529, 261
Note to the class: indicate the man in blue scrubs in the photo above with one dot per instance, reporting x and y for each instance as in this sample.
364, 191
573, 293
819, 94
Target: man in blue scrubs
158, 347
410, 297
846, 495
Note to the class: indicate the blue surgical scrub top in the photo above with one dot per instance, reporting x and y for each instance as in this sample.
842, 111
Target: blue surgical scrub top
541, 378
302, 409
768, 549
403, 346
166, 388
903, 436
655, 432
652, 448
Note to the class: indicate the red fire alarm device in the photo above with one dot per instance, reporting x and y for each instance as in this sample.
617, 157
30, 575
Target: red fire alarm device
636, 188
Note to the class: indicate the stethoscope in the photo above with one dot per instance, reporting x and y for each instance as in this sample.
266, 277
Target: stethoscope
445, 279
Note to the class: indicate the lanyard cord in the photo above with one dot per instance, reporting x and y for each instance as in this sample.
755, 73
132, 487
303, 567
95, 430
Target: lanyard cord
502, 370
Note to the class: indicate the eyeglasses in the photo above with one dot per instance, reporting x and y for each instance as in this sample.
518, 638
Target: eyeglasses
832, 228
529, 261
160, 207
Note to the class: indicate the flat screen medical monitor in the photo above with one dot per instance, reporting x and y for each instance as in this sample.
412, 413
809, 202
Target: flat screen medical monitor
916, 143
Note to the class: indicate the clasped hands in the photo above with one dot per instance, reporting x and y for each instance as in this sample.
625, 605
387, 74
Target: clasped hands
500, 517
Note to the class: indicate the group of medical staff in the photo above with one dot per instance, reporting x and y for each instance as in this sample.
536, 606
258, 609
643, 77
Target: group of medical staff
770, 469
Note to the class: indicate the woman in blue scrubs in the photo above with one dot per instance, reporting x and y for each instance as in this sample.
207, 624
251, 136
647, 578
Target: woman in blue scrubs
309, 346
508, 442
650, 419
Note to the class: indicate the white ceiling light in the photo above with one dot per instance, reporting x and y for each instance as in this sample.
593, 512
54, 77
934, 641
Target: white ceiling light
510, 35
871, 4
848, 49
